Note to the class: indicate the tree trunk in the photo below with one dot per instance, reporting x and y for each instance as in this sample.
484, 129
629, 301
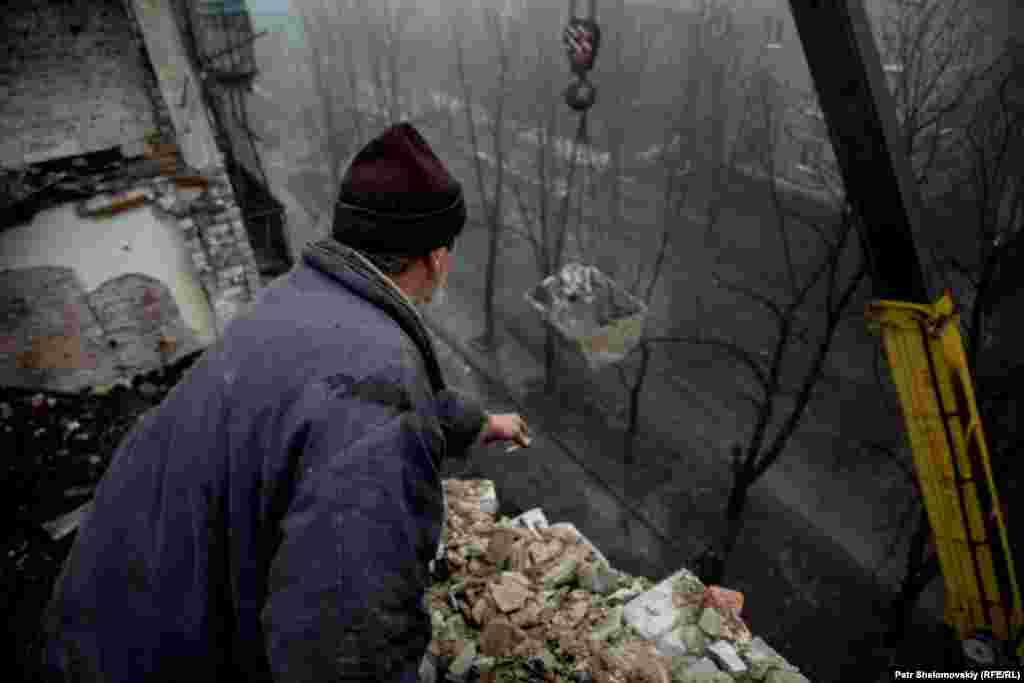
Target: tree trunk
634, 403
489, 338
922, 569
715, 561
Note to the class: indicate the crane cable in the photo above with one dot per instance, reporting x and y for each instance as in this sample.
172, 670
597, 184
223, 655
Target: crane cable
582, 38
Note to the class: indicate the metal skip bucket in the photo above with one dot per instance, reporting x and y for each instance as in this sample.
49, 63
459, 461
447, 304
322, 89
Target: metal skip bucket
597, 317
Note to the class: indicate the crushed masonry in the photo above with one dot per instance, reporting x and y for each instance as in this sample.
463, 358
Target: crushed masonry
522, 599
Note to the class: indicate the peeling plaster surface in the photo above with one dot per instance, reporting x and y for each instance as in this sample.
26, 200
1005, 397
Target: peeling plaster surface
99, 249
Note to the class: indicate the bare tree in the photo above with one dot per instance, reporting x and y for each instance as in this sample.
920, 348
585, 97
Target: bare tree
805, 307
491, 198
332, 63
965, 136
675, 188
988, 207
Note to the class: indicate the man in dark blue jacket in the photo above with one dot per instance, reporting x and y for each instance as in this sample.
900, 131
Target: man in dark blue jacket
273, 519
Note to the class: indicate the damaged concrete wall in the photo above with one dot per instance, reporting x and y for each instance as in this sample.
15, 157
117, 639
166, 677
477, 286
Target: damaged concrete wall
72, 81
86, 301
55, 335
100, 249
162, 231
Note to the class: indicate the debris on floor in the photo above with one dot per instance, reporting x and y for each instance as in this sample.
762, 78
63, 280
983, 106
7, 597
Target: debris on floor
527, 601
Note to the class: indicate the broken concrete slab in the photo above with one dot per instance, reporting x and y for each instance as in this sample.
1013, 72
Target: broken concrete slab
671, 645
531, 519
725, 655
653, 614
704, 665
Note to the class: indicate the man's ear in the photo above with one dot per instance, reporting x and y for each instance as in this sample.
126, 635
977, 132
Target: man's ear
433, 264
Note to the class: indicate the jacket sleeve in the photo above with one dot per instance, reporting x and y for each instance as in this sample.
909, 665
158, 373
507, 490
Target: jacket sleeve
462, 419
347, 582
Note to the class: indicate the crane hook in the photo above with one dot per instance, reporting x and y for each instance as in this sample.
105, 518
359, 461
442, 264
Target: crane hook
582, 38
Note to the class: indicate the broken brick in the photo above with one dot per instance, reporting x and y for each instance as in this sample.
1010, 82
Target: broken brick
509, 594
500, 638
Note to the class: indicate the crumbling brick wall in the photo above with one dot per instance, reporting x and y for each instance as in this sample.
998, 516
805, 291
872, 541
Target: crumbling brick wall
79, 79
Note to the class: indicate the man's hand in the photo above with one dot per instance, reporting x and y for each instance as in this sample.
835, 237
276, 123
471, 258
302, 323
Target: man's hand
507, 427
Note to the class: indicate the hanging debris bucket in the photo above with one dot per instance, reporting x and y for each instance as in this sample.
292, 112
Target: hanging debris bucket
596, 316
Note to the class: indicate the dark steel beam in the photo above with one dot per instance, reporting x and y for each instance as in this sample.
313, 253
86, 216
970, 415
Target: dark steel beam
861, 117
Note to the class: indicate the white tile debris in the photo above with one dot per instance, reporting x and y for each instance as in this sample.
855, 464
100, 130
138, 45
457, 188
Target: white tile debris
725, 654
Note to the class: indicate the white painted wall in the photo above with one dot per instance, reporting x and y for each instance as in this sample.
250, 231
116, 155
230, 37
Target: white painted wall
136, 241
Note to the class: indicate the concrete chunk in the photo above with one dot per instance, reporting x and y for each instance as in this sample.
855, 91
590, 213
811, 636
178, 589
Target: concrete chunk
711, 622
652, 613
571, 528
531, 519
725, 654
671, 644
488, 497
704, 665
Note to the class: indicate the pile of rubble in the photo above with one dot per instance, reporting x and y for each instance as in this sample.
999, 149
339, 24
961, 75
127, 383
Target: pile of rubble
521, 600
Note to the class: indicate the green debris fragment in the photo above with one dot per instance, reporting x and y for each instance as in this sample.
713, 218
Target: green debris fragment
564, 573
437, 622
693, 637
610, 626
688, 583
627, 591
785, 676
762, 660
687, 614
455, 628
703, 677
549, 659
474, 550
485, 664
460, 667
711, 622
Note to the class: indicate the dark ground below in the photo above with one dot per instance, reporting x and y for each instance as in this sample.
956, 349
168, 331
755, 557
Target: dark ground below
56, 447
59, 445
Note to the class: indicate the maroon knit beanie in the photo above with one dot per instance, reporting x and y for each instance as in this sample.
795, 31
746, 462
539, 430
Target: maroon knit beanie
398, 198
